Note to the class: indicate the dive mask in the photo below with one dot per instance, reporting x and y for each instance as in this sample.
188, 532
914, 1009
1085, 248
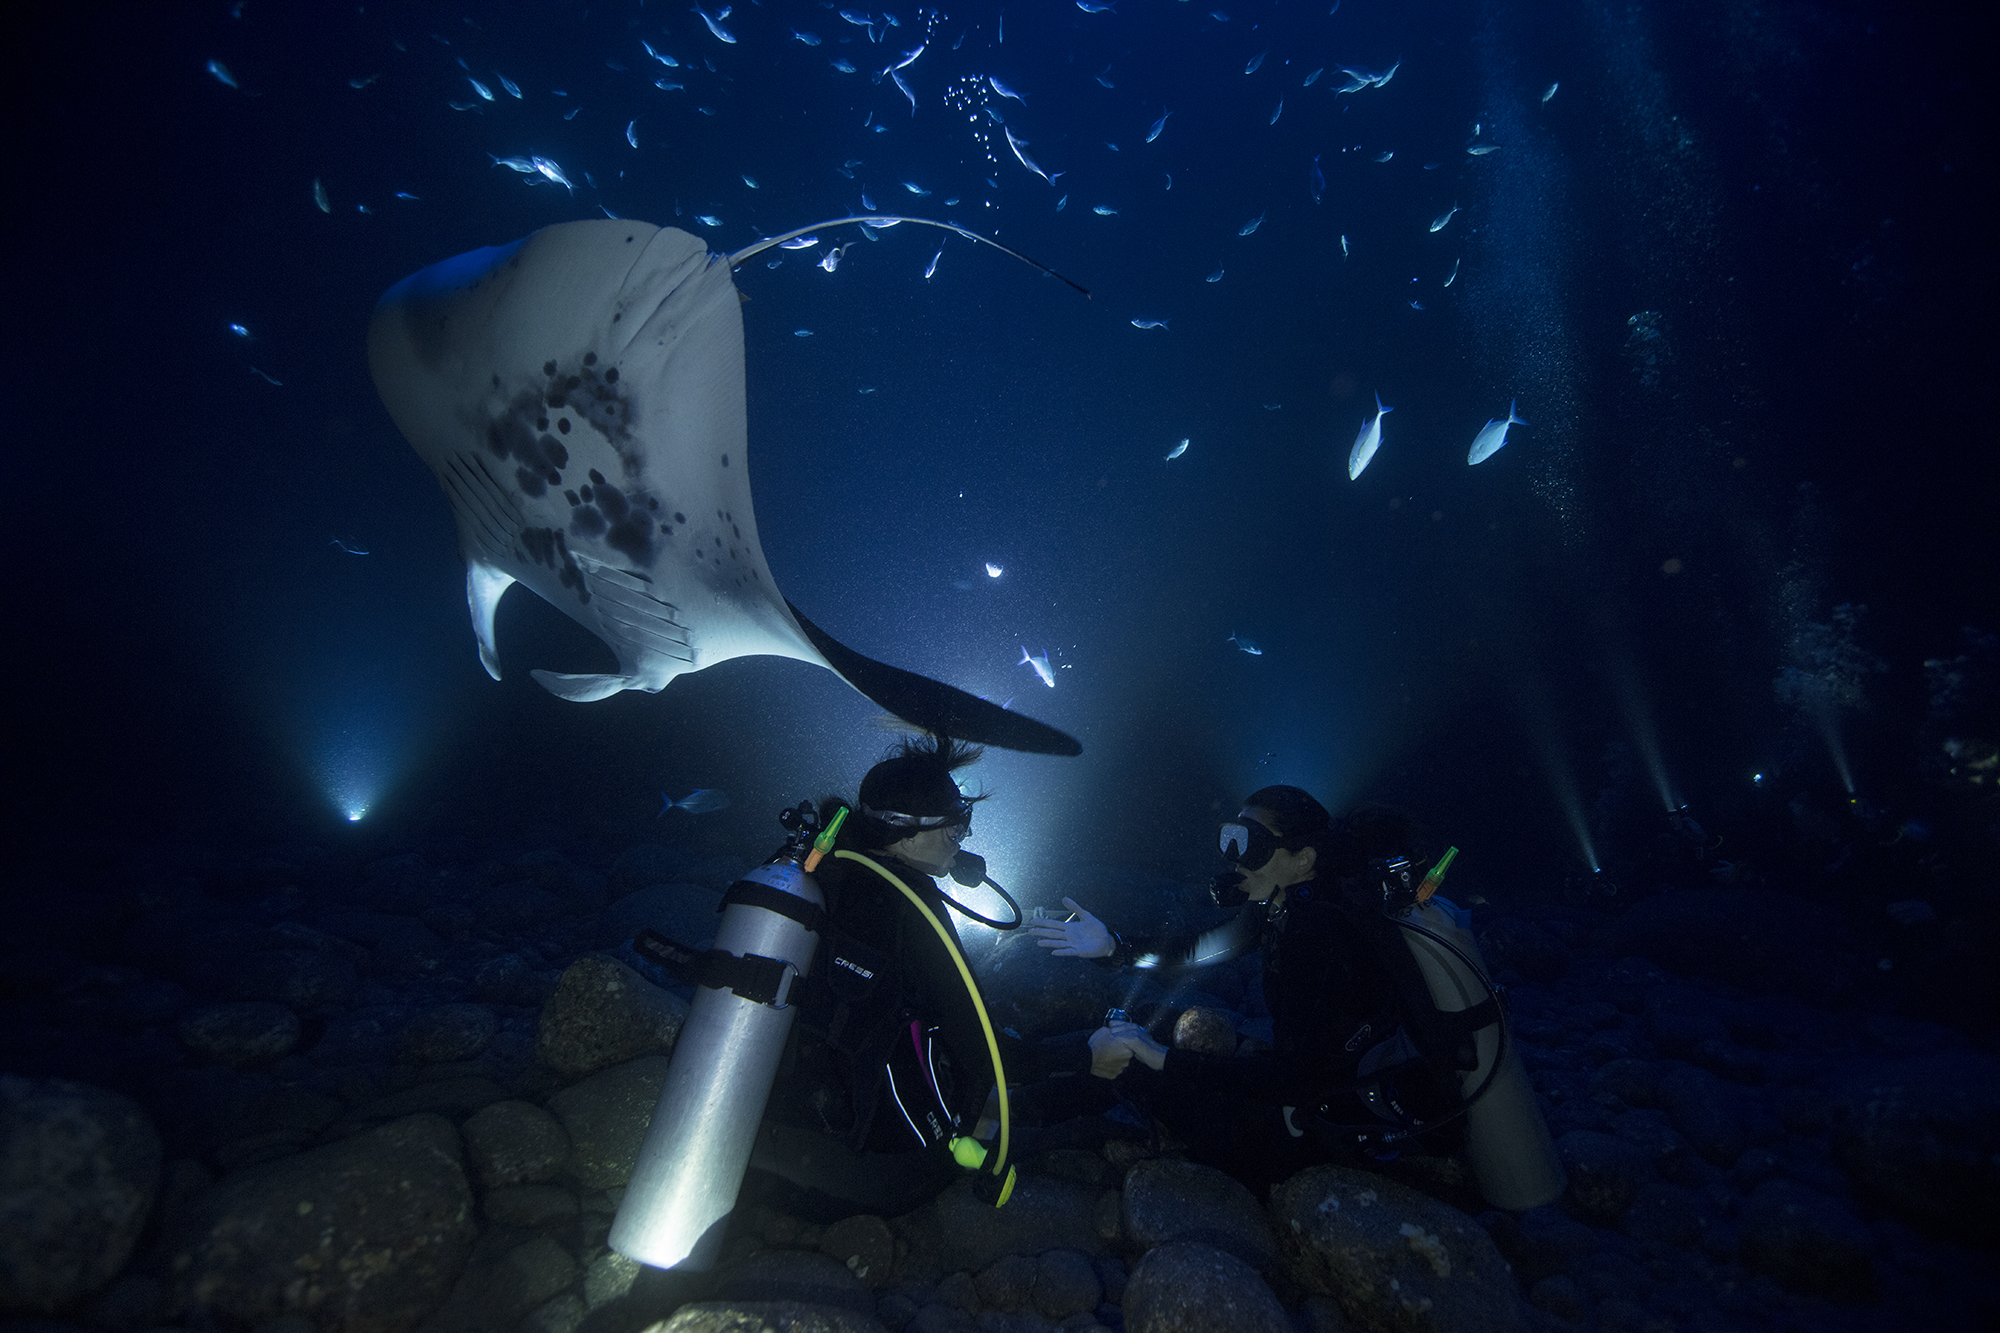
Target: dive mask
1247, 844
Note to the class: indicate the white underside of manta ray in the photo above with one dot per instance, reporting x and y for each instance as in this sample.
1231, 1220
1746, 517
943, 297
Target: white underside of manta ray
580, 396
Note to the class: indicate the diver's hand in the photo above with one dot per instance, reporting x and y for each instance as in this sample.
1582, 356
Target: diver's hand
1083, 937
1109, 1053
1149, 1052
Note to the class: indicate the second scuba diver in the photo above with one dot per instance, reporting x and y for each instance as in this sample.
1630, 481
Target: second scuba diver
1356, 1041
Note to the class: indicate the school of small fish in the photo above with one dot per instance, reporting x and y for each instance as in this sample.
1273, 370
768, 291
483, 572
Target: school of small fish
881, 70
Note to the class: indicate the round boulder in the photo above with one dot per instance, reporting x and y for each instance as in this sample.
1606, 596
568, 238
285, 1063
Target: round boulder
602, 1014
1188, 1287
1170, 1200
447, 1034
245, 1032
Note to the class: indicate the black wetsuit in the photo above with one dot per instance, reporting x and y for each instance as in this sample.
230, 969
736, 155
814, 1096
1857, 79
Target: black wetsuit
886, 1063
1343, 1017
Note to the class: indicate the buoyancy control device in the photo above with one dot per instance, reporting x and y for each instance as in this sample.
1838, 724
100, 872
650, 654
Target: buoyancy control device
1506, 1140
690, 1169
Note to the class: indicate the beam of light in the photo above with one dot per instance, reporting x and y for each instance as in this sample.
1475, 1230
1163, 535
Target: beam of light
1829, 731
1640, 719
355, 750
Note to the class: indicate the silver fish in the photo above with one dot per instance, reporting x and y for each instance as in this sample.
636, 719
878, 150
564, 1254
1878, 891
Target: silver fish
1177, 451
1313, 77
1279, 111
722, 34
1368, 441
632, 133
1255, 61
709, 220
1149, 324
1550, 93
221, 73
1017, 144
1482, 149
906, 90
1454, 271
525, 165
915, 189
931, 267
831, 260
1005, 91
1105, 211
1158, 125
485, 93
810, 39
1244, 644
513, 90
1215, 276
666, 60
1252, 224
845, 67
1492, 436
319, 196
1444, 219
555, 173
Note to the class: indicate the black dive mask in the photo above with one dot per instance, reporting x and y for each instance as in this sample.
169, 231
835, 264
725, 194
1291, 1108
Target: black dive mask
1247, 844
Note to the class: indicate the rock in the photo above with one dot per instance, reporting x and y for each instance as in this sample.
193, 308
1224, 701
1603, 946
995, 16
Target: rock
527, 1206
1394, 1259
1703, 1109
603, 1013
955, 1230
1008, 1283
564, 1314
1559, 1296
1189, 1287
765, 1317
1169, 1200
610, 1276
361, 1236
794, 1276
606, 1117
79, 1170
305, 979
503, 1281
514, 1143
448, 1033
1665, 1215
1921, 1137
684, 912
1066, 1284
865, 1244
494, 981
1542, 1241
1808, 1242
449, 1097
243, 1032
1605, 1172
1210, 1031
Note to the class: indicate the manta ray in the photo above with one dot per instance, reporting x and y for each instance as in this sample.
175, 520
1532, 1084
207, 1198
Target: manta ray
580, 396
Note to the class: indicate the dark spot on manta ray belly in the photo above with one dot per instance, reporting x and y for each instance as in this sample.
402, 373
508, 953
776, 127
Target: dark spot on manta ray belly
590, 358
611, 375
589, 495
725, 460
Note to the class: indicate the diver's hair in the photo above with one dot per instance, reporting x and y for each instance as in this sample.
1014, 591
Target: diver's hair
1371, 831
1301, 821
913, 778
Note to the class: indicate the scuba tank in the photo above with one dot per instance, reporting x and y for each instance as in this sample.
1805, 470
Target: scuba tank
1506, 1139
683, 1190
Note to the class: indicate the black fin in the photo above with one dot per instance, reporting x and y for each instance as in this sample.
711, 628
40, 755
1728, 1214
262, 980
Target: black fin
935, 706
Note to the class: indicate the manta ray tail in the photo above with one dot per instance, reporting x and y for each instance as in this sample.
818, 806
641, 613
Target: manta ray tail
933, 705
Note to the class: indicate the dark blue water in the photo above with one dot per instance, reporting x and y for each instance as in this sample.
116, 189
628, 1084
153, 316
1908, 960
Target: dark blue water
1732, 271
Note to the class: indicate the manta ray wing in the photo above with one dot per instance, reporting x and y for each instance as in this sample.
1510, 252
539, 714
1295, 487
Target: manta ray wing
580, 396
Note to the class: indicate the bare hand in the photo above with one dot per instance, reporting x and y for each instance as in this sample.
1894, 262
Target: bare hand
1109, 1054
1148, 1052
1082, 937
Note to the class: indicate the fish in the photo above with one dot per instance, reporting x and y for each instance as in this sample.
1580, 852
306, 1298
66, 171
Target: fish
632, 133
910, 57
513, 90
831, 259
1004, 91
553, 172
1158, 125
1244, 644
915, 189
709, 220
1550, 93
1491, 438
405, 194
228, 80
1343, 245
1177, 451
802, 333
268, 379
799, 243
1060, 202
664, 59
1170, 178
810, 39
668, 85
702, 801
1017, 144
1277, 111
858, 20
1040, 664
1104, 211
1252, 224
1385, 155
722, 34
1215, 276
1255, 61
931, 268
1313, 77
319, 197
361, 82
867, 204
901, 83
632, 334
994, 571
750, 181
485, 93
1454, 271
1316, 181
1096, 6
1149, 324
1102, 80
1482, 149
526, 166
1368, 441
844, 66
1444, 218
239, 330
348, 547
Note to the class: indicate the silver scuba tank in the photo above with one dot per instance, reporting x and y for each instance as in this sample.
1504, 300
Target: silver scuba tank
1506, 1138
690, 1169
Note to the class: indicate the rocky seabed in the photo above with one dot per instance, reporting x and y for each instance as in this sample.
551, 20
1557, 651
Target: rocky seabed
410, 1105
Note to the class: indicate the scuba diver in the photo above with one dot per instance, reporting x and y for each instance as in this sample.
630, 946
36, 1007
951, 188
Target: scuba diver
886, 1090
1385, 1029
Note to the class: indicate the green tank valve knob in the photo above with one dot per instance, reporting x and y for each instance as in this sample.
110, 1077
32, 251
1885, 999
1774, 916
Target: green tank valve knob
824, 842
1436, 875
